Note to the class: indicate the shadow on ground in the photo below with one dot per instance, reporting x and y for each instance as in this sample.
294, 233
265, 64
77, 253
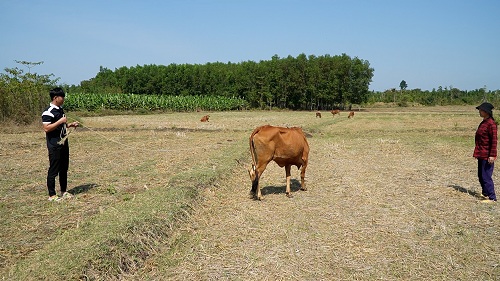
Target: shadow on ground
82, 188
273, 189
465, 190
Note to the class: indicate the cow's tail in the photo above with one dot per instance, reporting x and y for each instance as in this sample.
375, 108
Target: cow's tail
255, 176
252, 148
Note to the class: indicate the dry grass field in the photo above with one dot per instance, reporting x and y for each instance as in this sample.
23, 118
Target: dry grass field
392, 195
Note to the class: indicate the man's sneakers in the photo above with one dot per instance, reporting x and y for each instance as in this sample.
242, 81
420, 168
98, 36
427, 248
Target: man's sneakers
65, 195
54, 198
488, 201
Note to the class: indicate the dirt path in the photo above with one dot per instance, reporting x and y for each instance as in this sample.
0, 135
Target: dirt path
377, 208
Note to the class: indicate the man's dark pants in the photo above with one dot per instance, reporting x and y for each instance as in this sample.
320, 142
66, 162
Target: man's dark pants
59, 164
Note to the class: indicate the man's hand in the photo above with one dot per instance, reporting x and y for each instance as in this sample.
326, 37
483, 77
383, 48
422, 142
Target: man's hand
74, 124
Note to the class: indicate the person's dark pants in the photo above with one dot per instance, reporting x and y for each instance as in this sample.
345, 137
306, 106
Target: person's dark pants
485, 173
59, 164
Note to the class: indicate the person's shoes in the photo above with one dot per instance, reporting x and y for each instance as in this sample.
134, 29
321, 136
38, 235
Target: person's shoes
488, 201
482, 196
67, 195
54, 198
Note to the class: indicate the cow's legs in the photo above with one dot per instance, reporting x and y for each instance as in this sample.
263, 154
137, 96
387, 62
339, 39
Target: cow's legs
258, 194
255, 185
302, 178
288, 174
259, 171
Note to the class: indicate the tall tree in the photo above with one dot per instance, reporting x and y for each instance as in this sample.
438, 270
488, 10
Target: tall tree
403, 85
24, 95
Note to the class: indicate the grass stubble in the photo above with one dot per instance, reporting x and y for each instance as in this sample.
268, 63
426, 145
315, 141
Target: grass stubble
393, 195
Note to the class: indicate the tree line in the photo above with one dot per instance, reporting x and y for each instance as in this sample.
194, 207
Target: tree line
440, 96
298, 83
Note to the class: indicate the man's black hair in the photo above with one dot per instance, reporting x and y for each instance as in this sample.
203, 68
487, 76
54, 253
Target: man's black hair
57, 92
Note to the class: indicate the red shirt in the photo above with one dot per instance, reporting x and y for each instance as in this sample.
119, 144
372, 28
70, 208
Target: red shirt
486, 140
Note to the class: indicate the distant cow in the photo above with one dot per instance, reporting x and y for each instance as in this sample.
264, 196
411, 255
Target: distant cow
318, 114
351, 114
285, 146
336, 111
205, 118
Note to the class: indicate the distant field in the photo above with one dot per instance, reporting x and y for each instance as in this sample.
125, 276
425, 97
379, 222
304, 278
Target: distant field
392, 195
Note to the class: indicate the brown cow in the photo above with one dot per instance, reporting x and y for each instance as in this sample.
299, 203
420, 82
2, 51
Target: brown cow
318, 114
286, 146
205, 118
351, 114
336, 111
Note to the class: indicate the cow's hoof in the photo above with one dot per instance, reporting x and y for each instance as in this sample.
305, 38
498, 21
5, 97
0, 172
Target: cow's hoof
289, 195
303, 188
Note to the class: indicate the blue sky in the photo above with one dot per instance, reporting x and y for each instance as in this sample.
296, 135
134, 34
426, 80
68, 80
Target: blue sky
427, 43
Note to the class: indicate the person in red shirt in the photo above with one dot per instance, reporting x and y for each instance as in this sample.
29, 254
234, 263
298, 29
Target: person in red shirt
486, 151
